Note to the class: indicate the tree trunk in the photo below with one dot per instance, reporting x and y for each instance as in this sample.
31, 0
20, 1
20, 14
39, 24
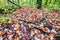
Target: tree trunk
39, 2
46, 2
50, 1
18, 2
55, 2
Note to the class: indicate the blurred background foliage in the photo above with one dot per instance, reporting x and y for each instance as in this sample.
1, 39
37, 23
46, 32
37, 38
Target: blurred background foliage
53, 4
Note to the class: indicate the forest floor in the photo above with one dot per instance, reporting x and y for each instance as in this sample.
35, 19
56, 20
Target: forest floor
29, 19
32, 12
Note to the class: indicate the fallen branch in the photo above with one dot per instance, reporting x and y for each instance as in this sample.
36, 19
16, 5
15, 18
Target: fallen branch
14, 3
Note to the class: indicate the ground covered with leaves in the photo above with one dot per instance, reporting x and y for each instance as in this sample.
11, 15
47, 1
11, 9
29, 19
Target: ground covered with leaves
30, 23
